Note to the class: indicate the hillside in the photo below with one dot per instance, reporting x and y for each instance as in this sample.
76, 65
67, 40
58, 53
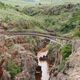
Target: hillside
14, 19
63, 19
28, 57
32, 2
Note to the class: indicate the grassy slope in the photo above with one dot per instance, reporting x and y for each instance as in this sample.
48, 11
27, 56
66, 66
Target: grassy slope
17, 19
66, 23
37, 22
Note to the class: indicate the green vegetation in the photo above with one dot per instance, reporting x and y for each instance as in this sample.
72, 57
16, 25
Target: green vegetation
53, 50
63, 19
77, 33
66, 50
67, 27
61, 66
13, 68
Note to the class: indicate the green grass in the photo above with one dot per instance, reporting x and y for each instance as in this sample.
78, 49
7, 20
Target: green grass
17, 19
66, 51
41, 18
13, 68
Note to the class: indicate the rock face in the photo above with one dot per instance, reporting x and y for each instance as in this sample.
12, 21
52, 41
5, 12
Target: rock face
6, 75
16, 49
25, 59
72, 68
76, 45
54, 57
24, 75
42, 43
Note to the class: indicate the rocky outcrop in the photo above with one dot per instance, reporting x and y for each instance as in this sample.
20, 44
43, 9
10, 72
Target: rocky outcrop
41, 44
71, 69
6, 75
24, 75
25, 59
17, 49
54, 57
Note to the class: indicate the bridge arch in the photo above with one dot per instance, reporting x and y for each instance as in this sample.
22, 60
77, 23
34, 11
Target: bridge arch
53, 38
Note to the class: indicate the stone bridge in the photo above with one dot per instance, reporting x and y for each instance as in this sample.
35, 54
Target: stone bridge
52, 37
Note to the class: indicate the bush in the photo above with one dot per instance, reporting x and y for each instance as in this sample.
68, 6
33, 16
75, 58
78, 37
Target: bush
77, 33
66, 50
2, 5
49, 22
61, 66
13, 68
67, 27
7, 19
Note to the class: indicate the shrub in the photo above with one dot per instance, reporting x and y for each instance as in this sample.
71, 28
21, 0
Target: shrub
7, 19
13, 68
49, 22
66, 50
2, 5
67, 27
61, 66
77, 32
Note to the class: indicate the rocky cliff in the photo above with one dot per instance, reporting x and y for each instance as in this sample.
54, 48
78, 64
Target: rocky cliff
71, 69
12, 50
